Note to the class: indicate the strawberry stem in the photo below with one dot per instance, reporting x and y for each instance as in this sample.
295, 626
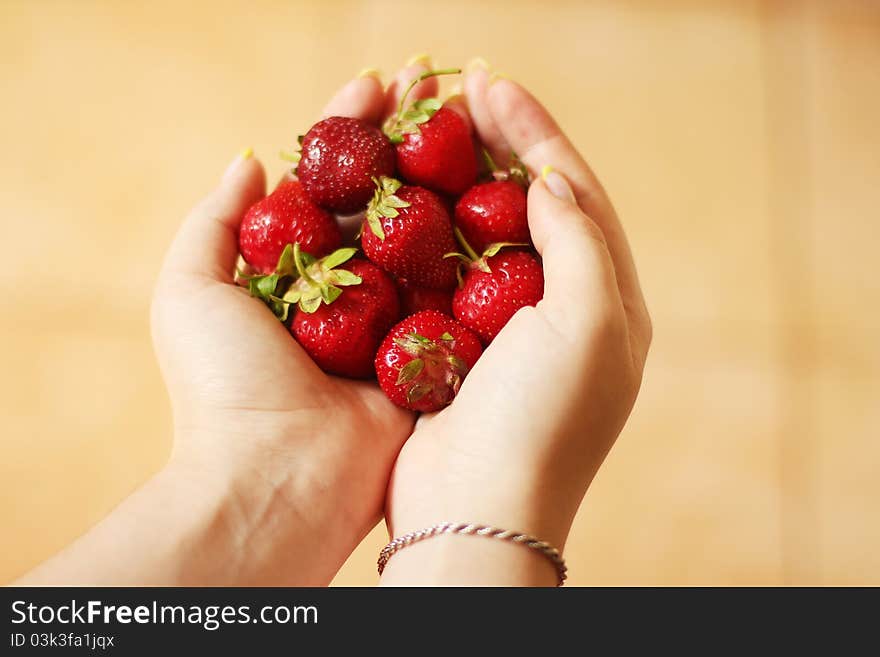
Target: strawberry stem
490, 163
297, 261
467, 247
423, 76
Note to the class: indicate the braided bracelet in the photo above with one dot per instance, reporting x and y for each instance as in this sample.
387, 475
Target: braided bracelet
539, 546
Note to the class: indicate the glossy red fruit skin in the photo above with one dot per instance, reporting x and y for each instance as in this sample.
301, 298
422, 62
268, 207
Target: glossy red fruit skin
415, 241
440, 156
342, 337
486, 301
414, 299
340, 157
391, 357
493, 212
284, 217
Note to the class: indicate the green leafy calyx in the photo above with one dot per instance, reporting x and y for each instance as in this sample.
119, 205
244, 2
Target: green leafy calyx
405, 122
470, 258
384, 204
408, 123
301, 279
293, 156
434, 370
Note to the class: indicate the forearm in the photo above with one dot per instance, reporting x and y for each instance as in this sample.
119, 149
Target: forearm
185, 528
166, 533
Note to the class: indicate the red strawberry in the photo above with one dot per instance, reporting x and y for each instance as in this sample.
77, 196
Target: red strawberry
342, 336
407, 232
493, 212
285, 216
339, 158
423, 360
415, 299
494, 287
434, 147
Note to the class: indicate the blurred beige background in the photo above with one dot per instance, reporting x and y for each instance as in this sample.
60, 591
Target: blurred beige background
739, 140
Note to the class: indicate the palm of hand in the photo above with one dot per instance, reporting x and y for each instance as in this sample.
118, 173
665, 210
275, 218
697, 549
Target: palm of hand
239, 359
514, 425
262, 401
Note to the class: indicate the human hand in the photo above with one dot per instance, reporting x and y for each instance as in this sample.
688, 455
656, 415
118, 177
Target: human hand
305, 456
538, 413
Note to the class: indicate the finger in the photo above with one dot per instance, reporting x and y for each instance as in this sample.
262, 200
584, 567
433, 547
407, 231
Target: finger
580, 285
476, 85
458, 104
361, 98
424, 89
206, 245
535, 136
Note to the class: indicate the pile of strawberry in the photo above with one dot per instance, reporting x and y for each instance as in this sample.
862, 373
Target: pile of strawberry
429, 292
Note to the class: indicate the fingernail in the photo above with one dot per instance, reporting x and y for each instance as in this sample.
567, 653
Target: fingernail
371, 73
424, 59
496, 76
556, 183
245, 154
476, 64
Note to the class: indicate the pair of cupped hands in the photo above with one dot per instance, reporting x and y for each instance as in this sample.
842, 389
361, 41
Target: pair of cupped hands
306, 464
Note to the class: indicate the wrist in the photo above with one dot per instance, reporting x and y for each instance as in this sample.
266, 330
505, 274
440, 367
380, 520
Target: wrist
507, 501
518, 497
460, 471
455, 559
264, 513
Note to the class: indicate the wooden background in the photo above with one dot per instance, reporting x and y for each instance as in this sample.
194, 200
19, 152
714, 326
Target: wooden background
739, 140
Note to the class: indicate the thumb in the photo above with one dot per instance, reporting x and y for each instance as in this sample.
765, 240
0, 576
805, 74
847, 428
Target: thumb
580, 285
206, 245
